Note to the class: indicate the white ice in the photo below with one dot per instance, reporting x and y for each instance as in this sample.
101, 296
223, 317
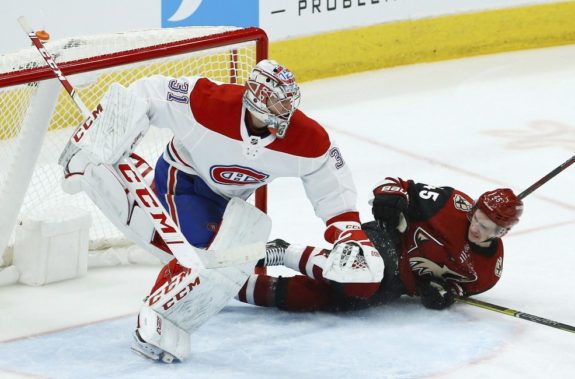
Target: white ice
475, 124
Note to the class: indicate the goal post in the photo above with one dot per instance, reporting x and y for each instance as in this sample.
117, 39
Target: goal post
37, 117
24, 154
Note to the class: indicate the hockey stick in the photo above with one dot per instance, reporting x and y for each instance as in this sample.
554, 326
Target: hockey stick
514, 313
547, 177
185, 253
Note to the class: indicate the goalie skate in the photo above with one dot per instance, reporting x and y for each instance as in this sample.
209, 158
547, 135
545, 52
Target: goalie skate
150, 351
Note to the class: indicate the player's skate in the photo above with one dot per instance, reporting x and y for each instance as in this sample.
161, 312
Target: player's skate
150, 351
275, 253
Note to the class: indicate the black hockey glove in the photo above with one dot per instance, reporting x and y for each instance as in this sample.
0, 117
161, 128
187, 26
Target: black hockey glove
389, 203
436, 294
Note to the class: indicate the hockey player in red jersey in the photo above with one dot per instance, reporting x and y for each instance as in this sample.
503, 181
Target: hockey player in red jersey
228, 140
435, 241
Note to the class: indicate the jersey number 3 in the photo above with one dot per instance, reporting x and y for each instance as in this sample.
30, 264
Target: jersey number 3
335, 154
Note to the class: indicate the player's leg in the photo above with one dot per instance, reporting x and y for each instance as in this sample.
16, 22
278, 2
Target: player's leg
348, 270
295, 293
311, 292
181, 301
196, 209
300, 294
307, 260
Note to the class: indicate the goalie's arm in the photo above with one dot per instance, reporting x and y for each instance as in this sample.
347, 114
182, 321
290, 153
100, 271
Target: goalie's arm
168, 101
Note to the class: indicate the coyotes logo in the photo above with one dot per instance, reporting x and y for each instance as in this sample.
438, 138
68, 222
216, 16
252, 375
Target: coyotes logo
424, 266
460, 203
420, 236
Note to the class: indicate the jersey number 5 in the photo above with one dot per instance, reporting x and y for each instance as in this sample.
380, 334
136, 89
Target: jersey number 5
428, 193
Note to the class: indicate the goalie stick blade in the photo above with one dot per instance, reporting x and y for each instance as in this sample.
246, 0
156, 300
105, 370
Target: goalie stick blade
234, 256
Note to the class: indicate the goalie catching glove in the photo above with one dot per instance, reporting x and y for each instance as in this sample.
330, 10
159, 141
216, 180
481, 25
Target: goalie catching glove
353, 259
112, 130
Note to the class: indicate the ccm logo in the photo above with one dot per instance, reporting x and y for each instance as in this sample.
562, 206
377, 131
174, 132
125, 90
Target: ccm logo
79, 133
181, 294
177, 297
236, 175
148, 200
167, 288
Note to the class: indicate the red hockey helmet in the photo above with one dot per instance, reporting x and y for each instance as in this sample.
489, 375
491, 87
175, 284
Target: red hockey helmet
501, 206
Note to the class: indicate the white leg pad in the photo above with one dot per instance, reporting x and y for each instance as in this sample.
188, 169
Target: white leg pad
186, 302
190, 299
162, 333
242, 236
106, 190
242, 224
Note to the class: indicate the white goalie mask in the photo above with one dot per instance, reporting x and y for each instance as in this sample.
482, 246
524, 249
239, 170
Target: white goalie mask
272, 95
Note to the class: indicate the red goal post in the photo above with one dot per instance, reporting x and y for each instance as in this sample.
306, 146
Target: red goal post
37, 117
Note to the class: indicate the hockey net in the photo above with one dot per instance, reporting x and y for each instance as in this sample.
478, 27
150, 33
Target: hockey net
30, 178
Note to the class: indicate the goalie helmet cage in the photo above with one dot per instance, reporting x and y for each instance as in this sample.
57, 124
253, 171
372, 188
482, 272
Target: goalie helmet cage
37, 117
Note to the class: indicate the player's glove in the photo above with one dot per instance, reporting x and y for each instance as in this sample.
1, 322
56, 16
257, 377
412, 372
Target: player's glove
436, 294
390, 205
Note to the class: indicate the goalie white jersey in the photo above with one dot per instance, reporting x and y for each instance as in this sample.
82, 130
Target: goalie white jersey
212, 140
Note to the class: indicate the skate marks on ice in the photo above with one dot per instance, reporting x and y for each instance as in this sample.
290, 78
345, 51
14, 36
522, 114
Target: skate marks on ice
402, 340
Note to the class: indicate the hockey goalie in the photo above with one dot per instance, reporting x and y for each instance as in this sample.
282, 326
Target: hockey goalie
101, 164
190, 210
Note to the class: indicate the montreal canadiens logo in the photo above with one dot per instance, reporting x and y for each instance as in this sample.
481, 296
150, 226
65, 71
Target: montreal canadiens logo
236, 175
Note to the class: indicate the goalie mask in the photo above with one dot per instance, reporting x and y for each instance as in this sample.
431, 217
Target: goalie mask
501, 206
272, 95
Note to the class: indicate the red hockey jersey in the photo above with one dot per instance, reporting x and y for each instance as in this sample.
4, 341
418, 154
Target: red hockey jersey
435, 242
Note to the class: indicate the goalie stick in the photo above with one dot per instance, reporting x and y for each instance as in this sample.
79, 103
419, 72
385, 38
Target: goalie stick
184, 252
